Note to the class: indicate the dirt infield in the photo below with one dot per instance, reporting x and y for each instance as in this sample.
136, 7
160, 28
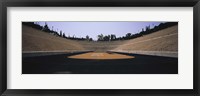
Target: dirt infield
101, 56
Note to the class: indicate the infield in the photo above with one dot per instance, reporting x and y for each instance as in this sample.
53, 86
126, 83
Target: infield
100, 55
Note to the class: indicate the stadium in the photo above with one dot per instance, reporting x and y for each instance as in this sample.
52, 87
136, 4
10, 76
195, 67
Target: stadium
48, 52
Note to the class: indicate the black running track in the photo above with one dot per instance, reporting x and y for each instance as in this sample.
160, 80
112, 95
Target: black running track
60, 64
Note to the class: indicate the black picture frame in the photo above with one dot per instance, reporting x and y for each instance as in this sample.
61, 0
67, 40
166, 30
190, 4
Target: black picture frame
100, 3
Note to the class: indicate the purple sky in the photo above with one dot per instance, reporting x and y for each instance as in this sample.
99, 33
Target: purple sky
92, 29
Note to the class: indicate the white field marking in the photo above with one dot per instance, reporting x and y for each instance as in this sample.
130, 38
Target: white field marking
156, 53
54, 51
139, 51
151, 39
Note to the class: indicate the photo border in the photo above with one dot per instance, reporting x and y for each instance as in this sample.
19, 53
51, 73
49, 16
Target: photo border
101, 3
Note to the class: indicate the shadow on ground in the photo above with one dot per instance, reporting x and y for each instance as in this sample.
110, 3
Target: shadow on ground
60, 64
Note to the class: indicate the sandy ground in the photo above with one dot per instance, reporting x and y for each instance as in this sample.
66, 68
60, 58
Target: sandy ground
100, 55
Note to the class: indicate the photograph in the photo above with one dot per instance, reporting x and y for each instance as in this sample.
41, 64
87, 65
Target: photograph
99, 47
108, 47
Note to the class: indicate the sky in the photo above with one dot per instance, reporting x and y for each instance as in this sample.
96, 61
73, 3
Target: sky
92, 29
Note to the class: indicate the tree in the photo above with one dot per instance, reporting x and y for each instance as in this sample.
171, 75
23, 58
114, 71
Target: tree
87, 38
148, 28
109, 37
106, 38
61, 33
128, 36
46, 28
90, 39
142, 30
112, 37
100, 37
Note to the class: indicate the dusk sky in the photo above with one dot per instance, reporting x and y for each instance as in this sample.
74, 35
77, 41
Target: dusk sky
92, 29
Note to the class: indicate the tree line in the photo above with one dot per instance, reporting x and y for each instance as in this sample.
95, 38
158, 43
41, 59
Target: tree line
46, 29
144, 31
101, 37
